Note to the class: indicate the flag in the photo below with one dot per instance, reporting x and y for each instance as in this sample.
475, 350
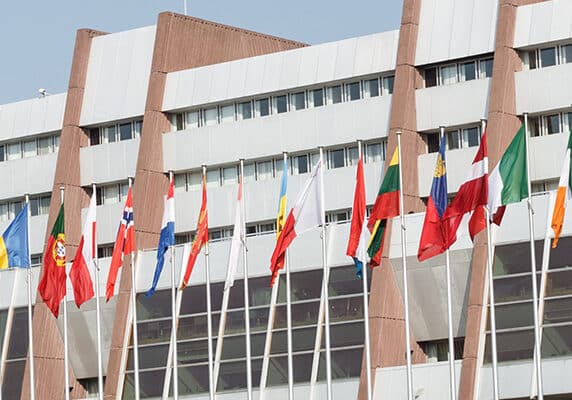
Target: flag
79, 273
432, 240
471, 197
14, 249
281, 217
359, 234
167, 236
52, 286
201, 238
238, 240
308, 213
508, 180
386, 206
563, 194
124, 245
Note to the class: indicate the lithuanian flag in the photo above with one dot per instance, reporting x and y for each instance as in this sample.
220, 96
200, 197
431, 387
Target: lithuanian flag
52, 286
563, 194
386, 206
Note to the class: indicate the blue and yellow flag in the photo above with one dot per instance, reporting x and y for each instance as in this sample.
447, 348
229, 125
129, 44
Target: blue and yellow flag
14, 249
281, 218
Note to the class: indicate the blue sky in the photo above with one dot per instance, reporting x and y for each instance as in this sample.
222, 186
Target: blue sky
37, 38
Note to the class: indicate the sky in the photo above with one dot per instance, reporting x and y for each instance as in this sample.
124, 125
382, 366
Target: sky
37, 38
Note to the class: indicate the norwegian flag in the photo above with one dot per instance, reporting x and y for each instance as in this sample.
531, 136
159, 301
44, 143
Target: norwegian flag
124, 245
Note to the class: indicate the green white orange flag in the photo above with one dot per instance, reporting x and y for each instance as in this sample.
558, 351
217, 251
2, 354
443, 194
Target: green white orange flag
386, 206
563, 194
52, 286
508, 181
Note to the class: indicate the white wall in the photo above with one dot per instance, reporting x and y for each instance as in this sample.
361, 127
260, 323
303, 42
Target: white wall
108, 162
543, 89
27, 175
543, 22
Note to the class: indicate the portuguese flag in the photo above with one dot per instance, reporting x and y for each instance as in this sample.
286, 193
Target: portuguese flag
52, 286
386, 206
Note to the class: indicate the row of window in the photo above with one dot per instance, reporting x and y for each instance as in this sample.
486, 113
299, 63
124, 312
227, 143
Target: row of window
456, 138
549, 124
39, 205
30, 147
115, 132
277, 104
546, 57
461, 71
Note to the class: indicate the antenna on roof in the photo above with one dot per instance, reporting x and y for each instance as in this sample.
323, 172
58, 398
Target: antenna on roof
43, 92
185, 6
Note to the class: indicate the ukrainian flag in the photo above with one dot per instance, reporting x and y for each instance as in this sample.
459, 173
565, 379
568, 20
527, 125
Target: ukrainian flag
281, 218
14, 249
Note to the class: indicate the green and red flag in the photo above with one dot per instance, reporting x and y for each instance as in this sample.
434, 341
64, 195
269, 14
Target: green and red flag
386, 206
52, 286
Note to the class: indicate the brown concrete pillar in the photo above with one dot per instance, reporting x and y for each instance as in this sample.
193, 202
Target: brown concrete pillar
181, 42
48, 343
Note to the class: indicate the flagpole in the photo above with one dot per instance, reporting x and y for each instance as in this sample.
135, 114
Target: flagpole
97, 313
404, 262
367, 349
452, 385
30, 334
492, 307
537, 341
268, 341
66, 348
209, 320
174, 318
134, 333
221, 329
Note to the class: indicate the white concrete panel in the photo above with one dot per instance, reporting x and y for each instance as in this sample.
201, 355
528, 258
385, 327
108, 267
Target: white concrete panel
108, 162
31, 175
254, 70
290, 69
363, 62
32, 117
309, 61
543, 22
202, 86
345, 59
273, 64
543, 89
117, 76
450, 105
294, 131
327, 61
451, 29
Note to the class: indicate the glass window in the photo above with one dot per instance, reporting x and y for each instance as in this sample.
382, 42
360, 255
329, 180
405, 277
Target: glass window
138, 128
529, 59
56, 142
266, 228
334, 94
2, 153
263, 170
15, 207
34, 206
227, 113
192, 119
210, 116
213, 178
177, 122
298, 101
111, 194
353, 91
4, 212
125, 131
300, 164
374, 152
336, 158
371, 88
486, 68
45, 204
566, 53
534, 126
316, 97
353, 155
280, 103
229, 175
94, 136
123, 189
244, 110
249, 172
262, 107
471, 137
388, 84
14, 151
552, 123
194, 181
548, 57
314, 158
45, 145
432, 140
109, 134
430, 77
448, 74
453, 140
29, 147
468, 71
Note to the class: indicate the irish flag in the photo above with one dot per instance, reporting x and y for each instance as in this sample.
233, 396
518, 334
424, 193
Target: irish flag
563, 194
386, 206
508, 181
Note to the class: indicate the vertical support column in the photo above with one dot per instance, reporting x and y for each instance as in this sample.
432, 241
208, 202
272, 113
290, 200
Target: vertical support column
48, 345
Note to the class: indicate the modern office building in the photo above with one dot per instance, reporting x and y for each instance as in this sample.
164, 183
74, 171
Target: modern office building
187, 92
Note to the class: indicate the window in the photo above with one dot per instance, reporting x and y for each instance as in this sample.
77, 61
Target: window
338, 216
280, 103
40, 205
549, 124
109, 134
180, 183
453, 140
566, 52
213, 178
457, 138
552, 124
353, 155
94, 136
448, 74
249, 172
14, 208
244, 110
300, 165
194, 181
334, 94
29, 148
316, 98
298, 101
2, 153
105, 251
336, 158
432, 140
375, 152
467, 71
548, 57
430, 77
14, 151
191, 119
138, 128
112, 193
227, 113
486, 68
262, 107
353, 91
388, 84
371, 88
229, 175
45, 145
210, 116
263, 170
471, 137
125, 131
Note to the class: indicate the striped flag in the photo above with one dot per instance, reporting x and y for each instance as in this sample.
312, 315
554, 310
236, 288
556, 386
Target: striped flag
563, 194
359, 234
238, 240
14, 249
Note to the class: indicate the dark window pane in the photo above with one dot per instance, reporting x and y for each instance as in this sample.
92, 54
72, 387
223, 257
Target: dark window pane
155, 331
548, 57
567, 52
515, 258
486, 68
514, 288
303, 285
336, 158
343, 281
300, 164
511, 346
193, 379
432, 142
345, 364
371, 88
558, 283
468, 71
552, 123
245, 110
151, 384
453, 141
94, 136
513, 316
156, 306
335, 94
18, 346
34, 207
263, 107
317, 97
472, 136
150, 356
278, 369
13, 379
125, 131
298, 100
2, 154
558, 310
353, 91
232, 375
557, 341
281, 103
430, 77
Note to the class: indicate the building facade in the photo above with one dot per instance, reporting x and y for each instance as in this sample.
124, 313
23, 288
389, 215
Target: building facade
187, 92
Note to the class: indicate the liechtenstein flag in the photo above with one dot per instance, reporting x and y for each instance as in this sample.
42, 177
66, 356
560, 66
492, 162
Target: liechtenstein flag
359, 234
167, 237
432, 240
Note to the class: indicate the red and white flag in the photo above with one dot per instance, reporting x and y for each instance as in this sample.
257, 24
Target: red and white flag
79, 273
308, 213
238, 240
124, 245
471, 197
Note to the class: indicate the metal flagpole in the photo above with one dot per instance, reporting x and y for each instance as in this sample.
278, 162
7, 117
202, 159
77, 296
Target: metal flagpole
134, 317
66, 348
404, 261
537, 341
367, 349
452, 385
268, 341
289, 327
97, 313
221, 329
30, 334
209, 319
174, 318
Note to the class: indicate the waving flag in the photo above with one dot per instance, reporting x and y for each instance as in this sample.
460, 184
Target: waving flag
124, 245
281, 217
167, 237
432, 240
201, 238
238, 240
563, 194
359, 234
79, 273
14, 249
